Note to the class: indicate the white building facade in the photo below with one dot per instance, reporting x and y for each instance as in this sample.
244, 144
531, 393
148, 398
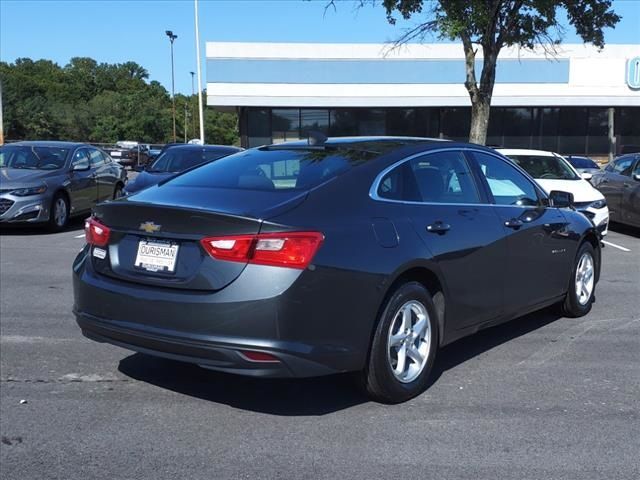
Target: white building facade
575, 100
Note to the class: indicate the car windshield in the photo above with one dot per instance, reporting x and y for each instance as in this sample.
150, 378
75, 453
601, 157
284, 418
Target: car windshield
275, 168
583, 162
545, 167
180, 159
32, 157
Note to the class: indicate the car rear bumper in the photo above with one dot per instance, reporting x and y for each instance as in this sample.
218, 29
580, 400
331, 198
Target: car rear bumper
283, 317
216, 353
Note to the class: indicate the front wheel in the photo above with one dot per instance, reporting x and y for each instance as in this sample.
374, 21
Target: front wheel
404, 346
582, 286
59, 212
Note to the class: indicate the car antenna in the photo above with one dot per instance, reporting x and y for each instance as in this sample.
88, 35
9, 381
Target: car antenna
316, 138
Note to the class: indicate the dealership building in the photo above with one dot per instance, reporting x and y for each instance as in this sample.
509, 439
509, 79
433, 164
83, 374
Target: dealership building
576, 100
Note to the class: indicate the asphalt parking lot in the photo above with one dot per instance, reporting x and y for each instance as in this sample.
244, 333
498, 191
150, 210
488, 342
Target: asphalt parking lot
542, 397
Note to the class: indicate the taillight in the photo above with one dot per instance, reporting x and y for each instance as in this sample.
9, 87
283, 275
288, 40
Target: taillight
96, 233
290, 249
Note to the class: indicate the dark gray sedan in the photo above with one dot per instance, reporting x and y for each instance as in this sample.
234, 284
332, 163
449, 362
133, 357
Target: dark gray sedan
49, 182
333, 255
620, 185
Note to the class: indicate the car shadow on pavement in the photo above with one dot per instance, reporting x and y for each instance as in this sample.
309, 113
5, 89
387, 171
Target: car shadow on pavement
624, 229
74, 225
307, 396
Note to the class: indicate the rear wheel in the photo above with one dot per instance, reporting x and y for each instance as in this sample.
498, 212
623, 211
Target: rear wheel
404, 346
118, 191
582, 286
59, 212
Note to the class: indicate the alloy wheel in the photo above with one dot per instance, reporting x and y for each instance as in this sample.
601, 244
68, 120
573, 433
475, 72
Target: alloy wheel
409, 341
60, 212
584, 280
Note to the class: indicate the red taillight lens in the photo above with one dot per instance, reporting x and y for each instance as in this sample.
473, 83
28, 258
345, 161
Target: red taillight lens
291, 249
96, 233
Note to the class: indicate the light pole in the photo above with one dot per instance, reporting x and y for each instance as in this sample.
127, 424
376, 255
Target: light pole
193, 113
172, 37
199, 70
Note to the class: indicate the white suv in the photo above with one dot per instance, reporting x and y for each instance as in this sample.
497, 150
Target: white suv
553, 172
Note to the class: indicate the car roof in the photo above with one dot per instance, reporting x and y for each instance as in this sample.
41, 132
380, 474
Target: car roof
524, 151
194, 146
48, 143
346, 141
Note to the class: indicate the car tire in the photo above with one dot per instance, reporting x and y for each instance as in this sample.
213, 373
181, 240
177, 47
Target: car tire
118, 191
59, 212
582, 285
394, 372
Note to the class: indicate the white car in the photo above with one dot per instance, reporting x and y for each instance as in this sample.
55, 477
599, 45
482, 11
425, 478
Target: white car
553, 172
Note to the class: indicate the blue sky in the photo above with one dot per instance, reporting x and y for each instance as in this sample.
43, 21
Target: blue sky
116, 31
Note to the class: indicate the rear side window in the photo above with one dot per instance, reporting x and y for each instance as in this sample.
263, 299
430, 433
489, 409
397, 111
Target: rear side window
507, 185
274, 169
441, 177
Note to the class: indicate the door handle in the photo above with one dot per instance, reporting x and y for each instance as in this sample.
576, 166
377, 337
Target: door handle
438, 227
627, 185
514, 223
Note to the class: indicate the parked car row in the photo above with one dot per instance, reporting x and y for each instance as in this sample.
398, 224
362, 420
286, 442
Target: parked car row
51, 182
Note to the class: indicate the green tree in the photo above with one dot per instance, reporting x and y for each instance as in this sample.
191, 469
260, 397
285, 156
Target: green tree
489, 25
87, 101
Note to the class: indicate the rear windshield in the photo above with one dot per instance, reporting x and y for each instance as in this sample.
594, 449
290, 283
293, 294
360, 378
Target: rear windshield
180, 159
581, 162
32, 157
545, 167
274, 169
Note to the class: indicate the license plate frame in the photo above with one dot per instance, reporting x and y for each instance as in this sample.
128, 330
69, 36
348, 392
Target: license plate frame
156, 256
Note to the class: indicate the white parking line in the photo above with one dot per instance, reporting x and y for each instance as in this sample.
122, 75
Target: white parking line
79, 236
616, 246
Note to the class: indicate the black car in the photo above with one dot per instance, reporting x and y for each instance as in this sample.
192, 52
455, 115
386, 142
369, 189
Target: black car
175, 159
311, 258
620, 185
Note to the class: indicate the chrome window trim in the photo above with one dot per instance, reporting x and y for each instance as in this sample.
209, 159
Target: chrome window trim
373, 191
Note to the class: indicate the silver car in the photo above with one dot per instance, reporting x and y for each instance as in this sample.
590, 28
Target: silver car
49, 182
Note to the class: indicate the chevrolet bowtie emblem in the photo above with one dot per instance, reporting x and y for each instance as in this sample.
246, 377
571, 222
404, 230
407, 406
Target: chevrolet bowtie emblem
150, 227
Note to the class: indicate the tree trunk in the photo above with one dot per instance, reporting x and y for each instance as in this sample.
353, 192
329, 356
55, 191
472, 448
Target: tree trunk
479, 120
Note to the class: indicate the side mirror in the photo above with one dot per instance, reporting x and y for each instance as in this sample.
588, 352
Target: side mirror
560, 199
636, 177
138, 168
586, 176
81, 166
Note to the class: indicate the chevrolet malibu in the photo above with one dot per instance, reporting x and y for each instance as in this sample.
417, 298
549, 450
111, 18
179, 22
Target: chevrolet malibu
332, 255
49, 182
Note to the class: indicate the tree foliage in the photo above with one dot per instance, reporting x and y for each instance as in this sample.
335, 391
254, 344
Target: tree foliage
98, 102
490, 25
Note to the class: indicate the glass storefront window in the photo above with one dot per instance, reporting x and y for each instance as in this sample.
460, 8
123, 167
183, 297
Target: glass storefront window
258, 127
572, 130
598, 131
344, 122
517, 126
285, 123
313, 120
371, 122
456, 123
627, 127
